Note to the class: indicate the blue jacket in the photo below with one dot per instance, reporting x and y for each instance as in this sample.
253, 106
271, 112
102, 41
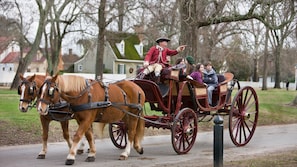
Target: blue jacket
210, 77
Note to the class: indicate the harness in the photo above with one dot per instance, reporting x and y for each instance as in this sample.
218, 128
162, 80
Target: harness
92, 105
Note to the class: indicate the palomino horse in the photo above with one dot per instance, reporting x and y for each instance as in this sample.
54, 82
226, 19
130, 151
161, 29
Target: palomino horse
92, 100
28, 91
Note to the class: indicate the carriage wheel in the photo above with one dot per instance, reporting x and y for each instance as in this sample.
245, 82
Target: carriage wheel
184, 131
243, 116
118, 134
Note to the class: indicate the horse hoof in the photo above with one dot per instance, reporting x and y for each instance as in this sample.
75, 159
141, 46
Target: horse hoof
79, 152
90, 159
41, 156
140, 151
122, 157
69, 162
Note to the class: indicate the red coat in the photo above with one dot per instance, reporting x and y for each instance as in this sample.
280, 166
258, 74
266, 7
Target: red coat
153, 55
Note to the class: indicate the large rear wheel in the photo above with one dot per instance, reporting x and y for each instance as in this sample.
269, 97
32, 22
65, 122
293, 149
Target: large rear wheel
118, 134
184, 131
243, 116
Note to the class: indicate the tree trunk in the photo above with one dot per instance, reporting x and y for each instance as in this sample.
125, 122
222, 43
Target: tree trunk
100, 40
35, 46
255, 75
264, 82
277, 67
188, 34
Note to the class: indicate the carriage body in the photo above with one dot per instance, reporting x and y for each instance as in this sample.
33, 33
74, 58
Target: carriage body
184, 102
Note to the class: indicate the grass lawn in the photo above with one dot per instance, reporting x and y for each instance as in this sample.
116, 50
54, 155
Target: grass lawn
23, 128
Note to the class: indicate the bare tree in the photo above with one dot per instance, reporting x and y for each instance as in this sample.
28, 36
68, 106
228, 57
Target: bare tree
281, 14
60, 18
23, 64
207, 13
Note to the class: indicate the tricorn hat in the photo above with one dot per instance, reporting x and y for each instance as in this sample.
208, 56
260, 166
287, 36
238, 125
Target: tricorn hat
161, 39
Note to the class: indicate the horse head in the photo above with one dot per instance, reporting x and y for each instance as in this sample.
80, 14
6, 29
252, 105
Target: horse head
28, 92
49, 94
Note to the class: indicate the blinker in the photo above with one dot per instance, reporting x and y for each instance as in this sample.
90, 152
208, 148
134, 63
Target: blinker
51, 91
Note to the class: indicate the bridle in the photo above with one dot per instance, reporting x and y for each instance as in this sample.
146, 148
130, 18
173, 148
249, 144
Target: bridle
50, 91
32, 90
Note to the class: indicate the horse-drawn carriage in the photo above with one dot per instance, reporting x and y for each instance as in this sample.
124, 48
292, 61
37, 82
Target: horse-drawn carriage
184, 102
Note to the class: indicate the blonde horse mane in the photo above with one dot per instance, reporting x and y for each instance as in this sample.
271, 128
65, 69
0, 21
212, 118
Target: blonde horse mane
68, 83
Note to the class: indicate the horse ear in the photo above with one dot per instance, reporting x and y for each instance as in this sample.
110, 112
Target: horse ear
21, 76
32, 78
54, 78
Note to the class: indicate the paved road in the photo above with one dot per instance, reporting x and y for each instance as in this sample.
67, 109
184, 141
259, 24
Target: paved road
157, 150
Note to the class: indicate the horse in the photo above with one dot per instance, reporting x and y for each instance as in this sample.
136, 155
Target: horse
93, 100
28, 91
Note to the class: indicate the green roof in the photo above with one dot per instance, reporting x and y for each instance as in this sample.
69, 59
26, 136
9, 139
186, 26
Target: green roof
130, 40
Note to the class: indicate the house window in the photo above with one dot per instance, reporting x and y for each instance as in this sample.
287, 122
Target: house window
139, 49
121, 69
10, 68
80, 67
37, 69
3, 68
121, 47
28, 70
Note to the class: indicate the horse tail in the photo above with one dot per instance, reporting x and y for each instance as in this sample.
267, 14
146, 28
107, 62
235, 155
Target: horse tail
100, 129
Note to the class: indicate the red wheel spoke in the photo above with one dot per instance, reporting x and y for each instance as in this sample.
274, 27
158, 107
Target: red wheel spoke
250, 105
248, 100
247, 126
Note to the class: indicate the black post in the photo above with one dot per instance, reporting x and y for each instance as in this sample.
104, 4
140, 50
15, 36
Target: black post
218, 145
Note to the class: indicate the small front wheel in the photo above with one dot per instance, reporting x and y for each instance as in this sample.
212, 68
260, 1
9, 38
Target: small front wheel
118, 134
184, 131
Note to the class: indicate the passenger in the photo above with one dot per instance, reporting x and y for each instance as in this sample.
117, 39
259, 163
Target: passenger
156, 58
197, 75
190, 65
181, 66
211, 79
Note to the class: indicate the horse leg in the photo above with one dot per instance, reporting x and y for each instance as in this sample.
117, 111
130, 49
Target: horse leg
83, 127
65, 128
139, 136
92, 151
81, 144
45, 126
131, 123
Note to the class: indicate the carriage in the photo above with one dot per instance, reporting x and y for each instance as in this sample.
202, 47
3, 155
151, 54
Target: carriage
182, 103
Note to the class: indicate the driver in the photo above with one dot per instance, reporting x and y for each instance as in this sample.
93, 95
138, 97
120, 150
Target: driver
156, 58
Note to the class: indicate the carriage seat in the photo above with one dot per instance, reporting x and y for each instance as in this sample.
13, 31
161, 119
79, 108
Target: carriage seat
219, 94
153, 92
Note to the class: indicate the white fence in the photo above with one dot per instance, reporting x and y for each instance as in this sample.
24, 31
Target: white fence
7, 78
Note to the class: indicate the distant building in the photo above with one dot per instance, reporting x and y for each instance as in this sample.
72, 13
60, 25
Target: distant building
9, 65
123, 54
69, 60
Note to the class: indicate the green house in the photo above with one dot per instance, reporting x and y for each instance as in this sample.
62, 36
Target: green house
123, 54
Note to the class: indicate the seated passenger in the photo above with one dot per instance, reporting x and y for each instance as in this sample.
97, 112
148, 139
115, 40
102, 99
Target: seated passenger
186, 66
197, 75
211, 79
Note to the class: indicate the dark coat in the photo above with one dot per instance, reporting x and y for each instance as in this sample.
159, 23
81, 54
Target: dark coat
210, 77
